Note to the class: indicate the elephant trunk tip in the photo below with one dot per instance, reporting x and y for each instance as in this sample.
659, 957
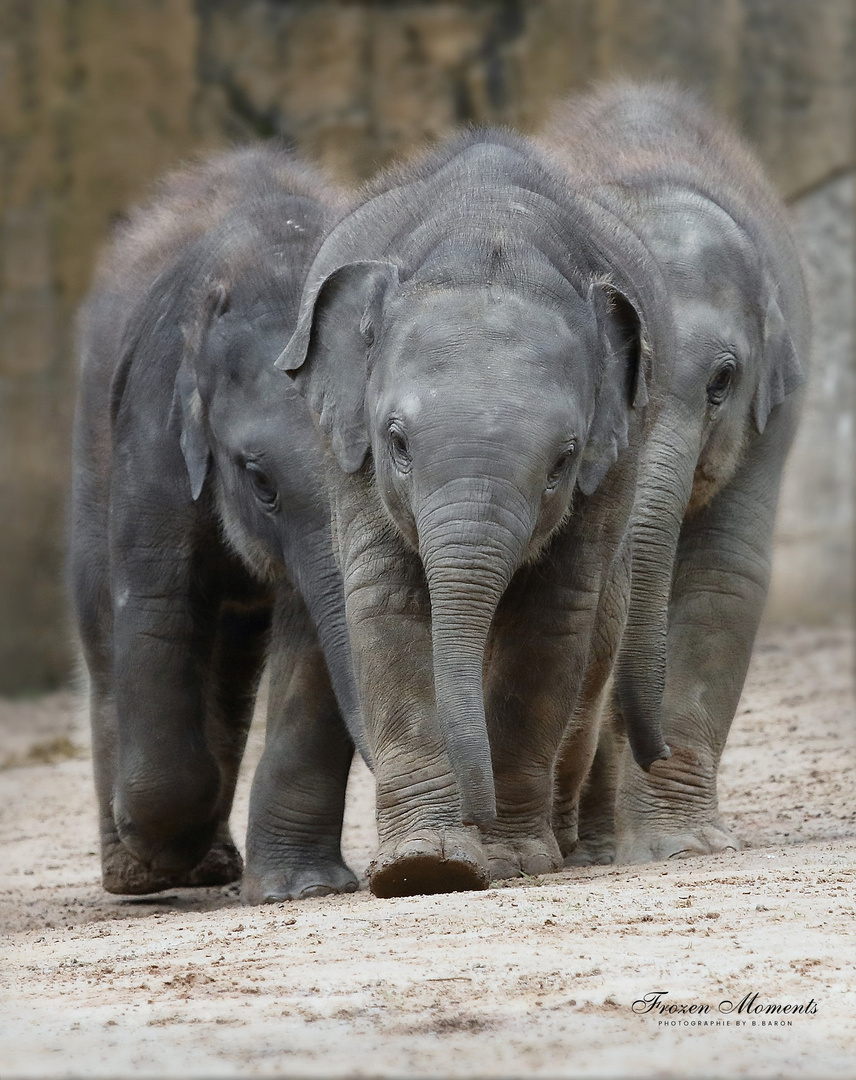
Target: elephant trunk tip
478, 800
467, 744
645, 756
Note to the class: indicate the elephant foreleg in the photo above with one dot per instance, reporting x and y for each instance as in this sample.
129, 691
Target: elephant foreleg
423, 845
120, 696
537, 664
298, 794
168, 784
586, 768
121, 871
584, 813
230, 685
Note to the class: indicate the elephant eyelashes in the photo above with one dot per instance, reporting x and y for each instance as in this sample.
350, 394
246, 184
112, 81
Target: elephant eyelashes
562, 462
720, 384
263, 486
399, 449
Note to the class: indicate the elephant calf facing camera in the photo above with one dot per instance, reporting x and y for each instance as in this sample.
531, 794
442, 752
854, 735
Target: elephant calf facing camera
481, 387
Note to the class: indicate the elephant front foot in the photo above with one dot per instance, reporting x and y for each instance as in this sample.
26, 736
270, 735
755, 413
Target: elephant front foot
432, 860
653, 846
124, 875
591, 853
314, 875
591, 843
523, 856
670, 812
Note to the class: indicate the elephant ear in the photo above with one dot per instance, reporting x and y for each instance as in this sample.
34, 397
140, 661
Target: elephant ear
187, 399
327, 356
623, 385
782, 371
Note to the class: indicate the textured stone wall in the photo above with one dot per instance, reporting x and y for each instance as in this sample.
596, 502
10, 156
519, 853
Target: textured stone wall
97, 97
813, 570
95, 101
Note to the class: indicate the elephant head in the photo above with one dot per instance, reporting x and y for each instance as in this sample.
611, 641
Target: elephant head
487, 383
224, 308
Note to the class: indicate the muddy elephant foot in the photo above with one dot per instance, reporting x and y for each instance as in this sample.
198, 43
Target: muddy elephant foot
124, 875
651, 846
430, 861
519, 856
312, 877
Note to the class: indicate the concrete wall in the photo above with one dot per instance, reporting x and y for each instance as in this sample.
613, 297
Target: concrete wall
97, 97
814, 563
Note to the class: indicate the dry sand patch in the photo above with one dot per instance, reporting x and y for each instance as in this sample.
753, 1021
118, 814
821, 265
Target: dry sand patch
537, 977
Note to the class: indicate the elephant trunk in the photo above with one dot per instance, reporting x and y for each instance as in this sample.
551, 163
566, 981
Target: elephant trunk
663, 495
470, 553
320, 583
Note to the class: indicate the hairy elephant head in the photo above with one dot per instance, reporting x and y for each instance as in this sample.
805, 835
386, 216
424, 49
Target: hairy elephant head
226, 307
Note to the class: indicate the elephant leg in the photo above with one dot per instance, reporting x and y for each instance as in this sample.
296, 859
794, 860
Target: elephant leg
553, 647
167, 793
230, 686
186, 664
537, 664
423, 845
584, 813
586, 768
121, 872
528, 701
298, 795
720, 584
89, 563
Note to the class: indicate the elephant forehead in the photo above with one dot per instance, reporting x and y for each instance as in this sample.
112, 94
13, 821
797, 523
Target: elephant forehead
701, 247
481, 326
730, 327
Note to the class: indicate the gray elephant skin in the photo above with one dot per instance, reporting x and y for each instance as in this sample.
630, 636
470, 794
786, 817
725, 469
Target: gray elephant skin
725, 403
201, 543
481, 394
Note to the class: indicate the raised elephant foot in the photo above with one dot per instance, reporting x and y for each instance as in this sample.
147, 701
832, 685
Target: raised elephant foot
312, 877
430, 861
521, 856
651, 846
124, 875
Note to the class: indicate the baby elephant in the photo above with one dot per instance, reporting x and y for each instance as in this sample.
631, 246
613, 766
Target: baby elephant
200, 542
481, 391
656, 164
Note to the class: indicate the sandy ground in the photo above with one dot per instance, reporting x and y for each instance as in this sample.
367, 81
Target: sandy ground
536, 978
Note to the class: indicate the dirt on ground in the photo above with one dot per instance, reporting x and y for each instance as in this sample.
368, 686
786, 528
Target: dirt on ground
539, 977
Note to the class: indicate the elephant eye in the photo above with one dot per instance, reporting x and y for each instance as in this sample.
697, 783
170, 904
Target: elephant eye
560, 467
399, 449
721, 382
263, 486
